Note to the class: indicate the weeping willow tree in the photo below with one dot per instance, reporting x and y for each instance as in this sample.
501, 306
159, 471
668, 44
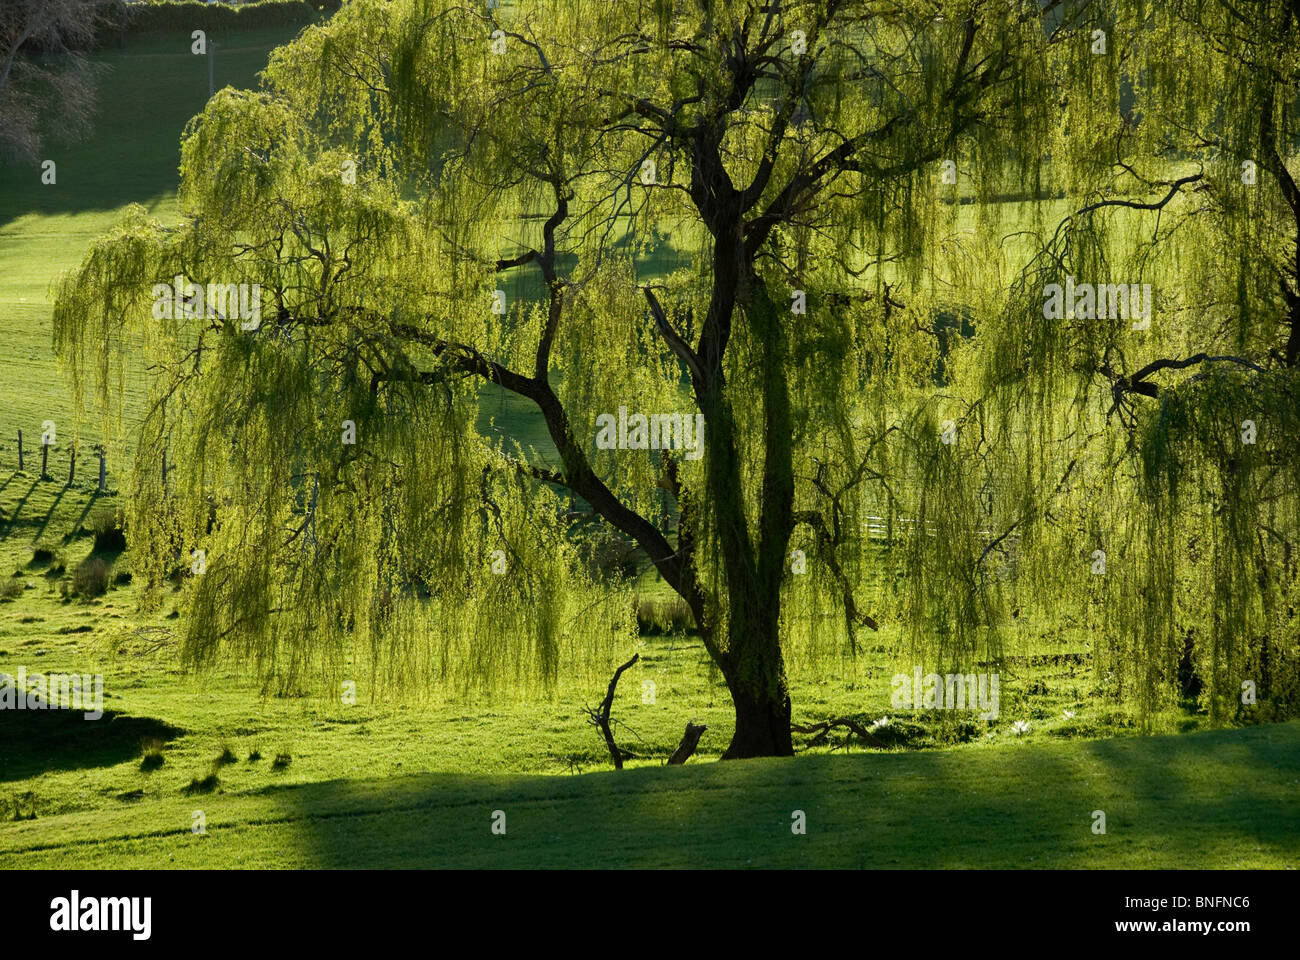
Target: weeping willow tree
1153, 449
793, 224
1194, 190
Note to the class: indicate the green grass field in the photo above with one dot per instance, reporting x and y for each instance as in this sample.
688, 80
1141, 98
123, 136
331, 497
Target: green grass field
1216, 799
309, 782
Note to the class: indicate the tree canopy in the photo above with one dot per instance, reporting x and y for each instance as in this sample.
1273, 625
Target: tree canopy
829, 230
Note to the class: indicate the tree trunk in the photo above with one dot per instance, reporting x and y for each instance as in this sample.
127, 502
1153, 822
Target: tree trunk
755, 673
762, 723
754, 567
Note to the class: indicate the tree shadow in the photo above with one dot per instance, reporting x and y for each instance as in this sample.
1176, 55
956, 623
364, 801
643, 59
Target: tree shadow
33, 742
12, 522
49, 514
77, 524
118, 160
1012, 807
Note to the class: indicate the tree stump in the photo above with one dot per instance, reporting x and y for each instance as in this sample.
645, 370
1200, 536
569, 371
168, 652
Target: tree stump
690, 740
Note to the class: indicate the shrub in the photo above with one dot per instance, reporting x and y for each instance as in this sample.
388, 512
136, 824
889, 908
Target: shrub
663, 616
90, 578
614, 558
109, 536
10, 589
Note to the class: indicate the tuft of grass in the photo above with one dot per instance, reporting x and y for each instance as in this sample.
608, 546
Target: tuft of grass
226, 756
281, 761
153, 755
50, 558
14, 809
254, 755
11, 589
206, 785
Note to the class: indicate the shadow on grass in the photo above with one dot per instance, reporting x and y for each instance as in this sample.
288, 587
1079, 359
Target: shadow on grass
33, 742
49, 514
77, 525
16, 512
123, 160
1196, 800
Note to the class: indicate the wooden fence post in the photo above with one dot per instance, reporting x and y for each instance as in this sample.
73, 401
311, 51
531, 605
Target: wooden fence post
20, 449
103, 472
45, 459
72, 463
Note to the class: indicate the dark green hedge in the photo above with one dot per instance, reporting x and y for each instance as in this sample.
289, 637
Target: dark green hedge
123, 21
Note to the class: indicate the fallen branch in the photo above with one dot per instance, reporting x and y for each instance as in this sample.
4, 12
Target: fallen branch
690, 740
826, 726
599, 717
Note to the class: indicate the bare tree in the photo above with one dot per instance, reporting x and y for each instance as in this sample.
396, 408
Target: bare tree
46, 81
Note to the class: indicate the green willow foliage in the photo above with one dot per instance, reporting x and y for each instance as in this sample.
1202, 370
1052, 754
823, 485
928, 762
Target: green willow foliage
920, 171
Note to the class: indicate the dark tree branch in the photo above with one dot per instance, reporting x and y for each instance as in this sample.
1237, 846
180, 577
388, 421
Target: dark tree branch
578, 474
599, 717
853, 616
848, 723
1174, 188
1138, 383
673, 338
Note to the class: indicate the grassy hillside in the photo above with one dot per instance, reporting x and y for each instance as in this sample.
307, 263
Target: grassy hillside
148, 92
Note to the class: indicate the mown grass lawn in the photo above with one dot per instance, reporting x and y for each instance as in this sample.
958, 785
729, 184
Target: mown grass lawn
1220, 799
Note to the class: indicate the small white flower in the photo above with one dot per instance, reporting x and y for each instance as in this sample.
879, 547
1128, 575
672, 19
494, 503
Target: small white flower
1069, 714
1020, 727
882, 722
